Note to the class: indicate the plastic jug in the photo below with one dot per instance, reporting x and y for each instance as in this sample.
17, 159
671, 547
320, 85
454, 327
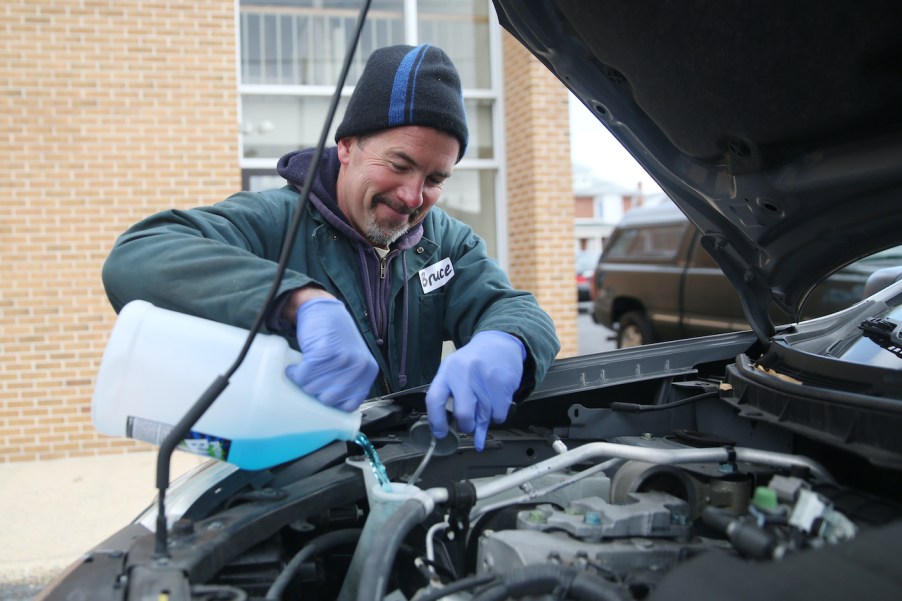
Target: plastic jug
158, 362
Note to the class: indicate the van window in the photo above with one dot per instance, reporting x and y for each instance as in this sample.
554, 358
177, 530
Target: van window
659, 242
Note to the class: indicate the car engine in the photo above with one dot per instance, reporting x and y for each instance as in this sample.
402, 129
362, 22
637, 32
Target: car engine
653, 474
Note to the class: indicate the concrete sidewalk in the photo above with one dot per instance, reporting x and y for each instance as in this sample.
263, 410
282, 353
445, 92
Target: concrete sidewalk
54, 511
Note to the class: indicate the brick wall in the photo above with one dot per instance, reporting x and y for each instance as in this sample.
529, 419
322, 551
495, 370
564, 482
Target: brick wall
109, 110
539, 188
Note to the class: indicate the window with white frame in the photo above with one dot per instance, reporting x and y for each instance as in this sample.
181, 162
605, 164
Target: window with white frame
291, 55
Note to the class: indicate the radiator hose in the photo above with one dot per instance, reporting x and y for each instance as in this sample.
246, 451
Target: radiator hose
378, 563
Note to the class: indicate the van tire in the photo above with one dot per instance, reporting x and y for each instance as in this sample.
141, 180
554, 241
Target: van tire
634, 329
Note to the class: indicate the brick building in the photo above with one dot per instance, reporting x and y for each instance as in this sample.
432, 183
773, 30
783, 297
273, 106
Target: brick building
111, 110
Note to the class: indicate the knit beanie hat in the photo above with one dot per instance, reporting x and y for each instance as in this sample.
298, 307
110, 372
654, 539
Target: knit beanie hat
406, 85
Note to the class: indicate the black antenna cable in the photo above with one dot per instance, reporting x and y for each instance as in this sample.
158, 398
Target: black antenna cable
181, 429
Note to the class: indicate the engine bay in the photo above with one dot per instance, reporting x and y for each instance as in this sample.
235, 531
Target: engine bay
654, 488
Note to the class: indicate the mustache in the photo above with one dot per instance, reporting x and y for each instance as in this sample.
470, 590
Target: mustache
396, 206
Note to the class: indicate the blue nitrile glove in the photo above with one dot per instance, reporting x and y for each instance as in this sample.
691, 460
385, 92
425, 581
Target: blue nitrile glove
336, 367
482, 377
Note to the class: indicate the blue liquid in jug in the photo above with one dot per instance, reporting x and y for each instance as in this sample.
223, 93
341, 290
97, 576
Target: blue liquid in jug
261, 453
369, 450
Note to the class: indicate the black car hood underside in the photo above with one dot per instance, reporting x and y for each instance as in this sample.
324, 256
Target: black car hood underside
775, 126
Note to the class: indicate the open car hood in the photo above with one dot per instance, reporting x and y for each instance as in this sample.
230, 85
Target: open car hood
775, 126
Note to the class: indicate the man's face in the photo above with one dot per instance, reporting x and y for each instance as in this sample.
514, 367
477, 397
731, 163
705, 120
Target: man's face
389, 180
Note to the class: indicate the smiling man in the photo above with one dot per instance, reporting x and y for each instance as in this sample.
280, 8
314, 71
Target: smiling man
378, 277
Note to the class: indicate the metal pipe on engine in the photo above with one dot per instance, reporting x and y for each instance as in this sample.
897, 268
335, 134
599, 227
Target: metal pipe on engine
595, 450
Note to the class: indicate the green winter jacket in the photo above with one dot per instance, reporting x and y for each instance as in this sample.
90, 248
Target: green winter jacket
218, 262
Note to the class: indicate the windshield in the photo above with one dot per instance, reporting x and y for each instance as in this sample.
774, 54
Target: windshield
890, 256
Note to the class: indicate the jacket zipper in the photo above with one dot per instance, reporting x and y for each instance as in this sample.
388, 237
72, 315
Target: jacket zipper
382, 309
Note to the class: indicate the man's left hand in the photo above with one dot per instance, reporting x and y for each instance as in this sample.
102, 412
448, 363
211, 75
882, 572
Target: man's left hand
482, 377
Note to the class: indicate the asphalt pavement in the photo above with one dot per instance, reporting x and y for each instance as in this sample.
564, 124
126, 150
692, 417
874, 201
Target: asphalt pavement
593, 338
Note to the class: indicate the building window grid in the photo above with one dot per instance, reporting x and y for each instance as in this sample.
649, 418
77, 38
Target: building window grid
281, 67
306, 46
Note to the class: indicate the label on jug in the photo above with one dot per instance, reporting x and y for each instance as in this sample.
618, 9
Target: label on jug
198, 443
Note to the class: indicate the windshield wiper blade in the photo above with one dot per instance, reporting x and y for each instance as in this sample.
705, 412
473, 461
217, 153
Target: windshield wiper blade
885, 332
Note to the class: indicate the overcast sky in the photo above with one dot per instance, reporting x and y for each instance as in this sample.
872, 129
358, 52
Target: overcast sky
592, 145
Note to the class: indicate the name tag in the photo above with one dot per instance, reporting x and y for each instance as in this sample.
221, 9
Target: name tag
437, 275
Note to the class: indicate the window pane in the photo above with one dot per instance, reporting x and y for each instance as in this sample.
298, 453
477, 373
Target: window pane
256, 180
479, 123
304, 43
460, 28
650, 243
469, 195
274, 125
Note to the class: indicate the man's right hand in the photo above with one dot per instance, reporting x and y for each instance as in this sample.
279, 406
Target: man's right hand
337, 367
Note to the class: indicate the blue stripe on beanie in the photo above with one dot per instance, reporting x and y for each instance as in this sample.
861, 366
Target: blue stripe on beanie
399, 99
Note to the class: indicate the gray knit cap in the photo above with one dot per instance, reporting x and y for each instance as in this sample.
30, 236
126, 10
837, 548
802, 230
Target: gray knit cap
407, 85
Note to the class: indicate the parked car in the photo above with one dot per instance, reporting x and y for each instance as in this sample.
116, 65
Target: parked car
586, 261
656, 282
760, 464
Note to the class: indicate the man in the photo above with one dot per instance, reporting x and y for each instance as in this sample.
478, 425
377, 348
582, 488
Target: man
378, 278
